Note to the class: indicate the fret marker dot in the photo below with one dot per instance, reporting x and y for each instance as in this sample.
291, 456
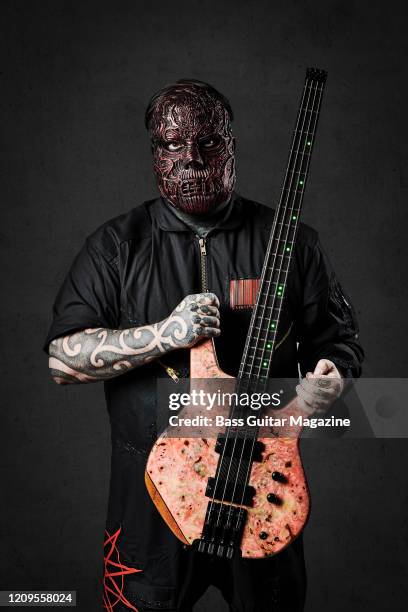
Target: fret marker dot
273, 325
300, 182
294, 218
287, 249
265, 364
308, 143
269, 346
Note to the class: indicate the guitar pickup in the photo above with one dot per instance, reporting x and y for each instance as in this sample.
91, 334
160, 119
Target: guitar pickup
232, 491
233, 447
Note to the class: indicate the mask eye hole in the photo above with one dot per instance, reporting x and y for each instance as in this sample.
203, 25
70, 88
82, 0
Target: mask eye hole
208, 142
172, 146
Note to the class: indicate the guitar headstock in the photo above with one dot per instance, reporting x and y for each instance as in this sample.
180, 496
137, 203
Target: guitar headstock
316, 74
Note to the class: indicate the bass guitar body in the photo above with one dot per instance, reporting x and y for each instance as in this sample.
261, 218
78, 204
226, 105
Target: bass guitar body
178, 470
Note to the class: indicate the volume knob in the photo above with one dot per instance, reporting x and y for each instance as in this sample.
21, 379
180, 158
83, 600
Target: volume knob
279, 477
273, 499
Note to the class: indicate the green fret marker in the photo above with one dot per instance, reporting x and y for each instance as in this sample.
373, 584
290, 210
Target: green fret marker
273, 325
280, 287
265, 364
300, 182
308, 143
287, 249
294, 218
269, 346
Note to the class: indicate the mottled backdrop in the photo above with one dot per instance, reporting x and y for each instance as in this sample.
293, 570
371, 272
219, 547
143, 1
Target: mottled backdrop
76, 78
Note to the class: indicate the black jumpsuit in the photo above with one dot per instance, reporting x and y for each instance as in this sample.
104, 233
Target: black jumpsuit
133, 271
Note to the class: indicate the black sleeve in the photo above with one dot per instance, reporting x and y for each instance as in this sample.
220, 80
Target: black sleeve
89, 296
328, 328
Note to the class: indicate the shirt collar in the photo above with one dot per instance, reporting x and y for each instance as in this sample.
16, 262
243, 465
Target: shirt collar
169, 222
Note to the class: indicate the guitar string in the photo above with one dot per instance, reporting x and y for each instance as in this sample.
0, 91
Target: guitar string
279, 273
316, 113
296, 166
270, 244
288, 231
254, 318
284, 212
281, 213
297, 170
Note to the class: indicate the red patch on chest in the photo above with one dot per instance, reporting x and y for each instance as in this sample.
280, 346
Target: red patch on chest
243, 292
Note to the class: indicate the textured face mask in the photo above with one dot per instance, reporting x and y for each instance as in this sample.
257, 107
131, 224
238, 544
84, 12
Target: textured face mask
193, 152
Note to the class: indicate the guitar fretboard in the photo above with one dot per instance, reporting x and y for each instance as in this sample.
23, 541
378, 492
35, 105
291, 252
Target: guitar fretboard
264, 326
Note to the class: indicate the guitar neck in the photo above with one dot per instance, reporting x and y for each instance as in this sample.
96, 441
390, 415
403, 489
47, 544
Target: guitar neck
264, 325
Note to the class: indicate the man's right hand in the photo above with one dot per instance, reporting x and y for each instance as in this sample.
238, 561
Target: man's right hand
99, 354
196, 317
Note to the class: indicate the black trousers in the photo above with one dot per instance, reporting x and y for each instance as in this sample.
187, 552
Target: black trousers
277, 584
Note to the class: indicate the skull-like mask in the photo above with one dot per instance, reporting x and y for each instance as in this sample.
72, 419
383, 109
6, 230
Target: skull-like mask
193, 151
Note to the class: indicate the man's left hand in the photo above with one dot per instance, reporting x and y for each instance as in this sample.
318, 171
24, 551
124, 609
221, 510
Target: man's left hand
318, 390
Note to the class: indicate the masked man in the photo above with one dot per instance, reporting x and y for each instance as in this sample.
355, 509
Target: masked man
117, 319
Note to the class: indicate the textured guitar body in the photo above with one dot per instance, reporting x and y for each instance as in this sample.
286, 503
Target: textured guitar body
178, 470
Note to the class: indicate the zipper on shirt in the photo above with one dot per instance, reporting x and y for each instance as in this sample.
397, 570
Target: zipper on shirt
204, 288
203, 264
170, 371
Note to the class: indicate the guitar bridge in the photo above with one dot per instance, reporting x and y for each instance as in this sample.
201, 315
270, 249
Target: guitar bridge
223, 529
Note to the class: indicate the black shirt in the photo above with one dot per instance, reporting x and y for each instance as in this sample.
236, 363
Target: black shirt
134, 270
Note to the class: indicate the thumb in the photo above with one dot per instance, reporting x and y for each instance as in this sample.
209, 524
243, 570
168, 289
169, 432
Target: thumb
323, 366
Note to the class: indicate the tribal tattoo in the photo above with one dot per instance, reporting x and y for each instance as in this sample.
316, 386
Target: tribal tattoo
98, 354
318, 391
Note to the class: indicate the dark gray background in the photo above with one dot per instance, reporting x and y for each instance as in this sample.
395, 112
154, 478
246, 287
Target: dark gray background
77, 77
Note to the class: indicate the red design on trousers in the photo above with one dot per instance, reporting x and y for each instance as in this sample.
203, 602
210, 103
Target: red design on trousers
113, 576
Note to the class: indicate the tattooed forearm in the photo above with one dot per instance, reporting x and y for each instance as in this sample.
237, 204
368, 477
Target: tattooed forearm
98, 354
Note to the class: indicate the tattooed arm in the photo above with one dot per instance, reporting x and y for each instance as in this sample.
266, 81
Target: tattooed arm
92, 355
